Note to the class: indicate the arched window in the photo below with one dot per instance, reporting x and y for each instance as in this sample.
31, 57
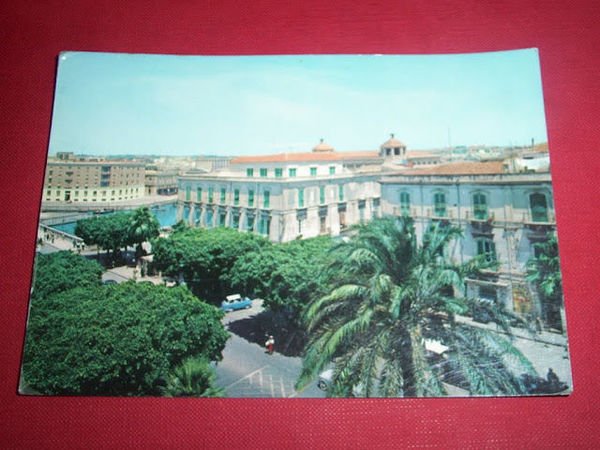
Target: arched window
405, 203
539, 207
480, 208
439, 204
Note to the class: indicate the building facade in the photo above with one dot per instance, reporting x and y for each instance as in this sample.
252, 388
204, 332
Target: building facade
286, 196
160, 181
83, 181
502, 216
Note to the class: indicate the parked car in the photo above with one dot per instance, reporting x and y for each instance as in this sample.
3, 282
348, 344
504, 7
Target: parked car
235, 302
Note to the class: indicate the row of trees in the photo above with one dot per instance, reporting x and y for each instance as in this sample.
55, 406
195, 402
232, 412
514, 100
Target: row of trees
113, 232
84, 338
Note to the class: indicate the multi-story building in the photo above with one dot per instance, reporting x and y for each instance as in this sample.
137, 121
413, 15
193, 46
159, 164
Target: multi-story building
160, 181
502, 215
70, 180
288, 195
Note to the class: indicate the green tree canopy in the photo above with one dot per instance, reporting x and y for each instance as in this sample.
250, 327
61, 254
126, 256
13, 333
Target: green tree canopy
389, 296
56, 272
192, 378
203, 257
117, 340
287, 276
109, 232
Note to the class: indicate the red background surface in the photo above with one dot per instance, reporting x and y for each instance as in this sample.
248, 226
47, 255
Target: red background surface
31, 36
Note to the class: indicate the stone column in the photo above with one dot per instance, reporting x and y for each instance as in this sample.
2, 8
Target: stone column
228, 217
202, 223
242, 224
191, 217
179, 211
333, 220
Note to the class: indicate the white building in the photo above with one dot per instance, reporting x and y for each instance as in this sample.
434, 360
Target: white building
287, 195
501, 214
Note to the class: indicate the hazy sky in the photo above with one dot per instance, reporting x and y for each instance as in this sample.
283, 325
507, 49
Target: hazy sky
189, 105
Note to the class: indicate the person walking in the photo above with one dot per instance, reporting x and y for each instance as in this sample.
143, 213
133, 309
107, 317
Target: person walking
270, 345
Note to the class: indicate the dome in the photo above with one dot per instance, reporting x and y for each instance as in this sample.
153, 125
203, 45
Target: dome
392, 142
323, 147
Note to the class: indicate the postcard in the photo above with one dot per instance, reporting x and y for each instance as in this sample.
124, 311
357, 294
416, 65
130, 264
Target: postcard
297, 226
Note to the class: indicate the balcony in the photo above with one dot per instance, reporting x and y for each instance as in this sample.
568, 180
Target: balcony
538, 222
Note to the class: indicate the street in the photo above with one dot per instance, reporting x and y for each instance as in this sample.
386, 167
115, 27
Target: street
248, 371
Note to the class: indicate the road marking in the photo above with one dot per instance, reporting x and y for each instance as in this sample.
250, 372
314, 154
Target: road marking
248, 376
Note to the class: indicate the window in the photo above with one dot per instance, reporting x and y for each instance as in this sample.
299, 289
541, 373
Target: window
223, 194
250, 198
300, 198
278, 173
188, 193
341, 192
313, 171
439, 204
249, 223
266, 199
291, 172
264, 225
405, 203
480, 211
539, 207
250, 173
210, 195
488, 248
322, 194
48, 193
263, 173
236, 198
199, 194
331, 170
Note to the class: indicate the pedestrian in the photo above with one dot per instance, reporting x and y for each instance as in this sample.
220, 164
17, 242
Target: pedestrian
270, 344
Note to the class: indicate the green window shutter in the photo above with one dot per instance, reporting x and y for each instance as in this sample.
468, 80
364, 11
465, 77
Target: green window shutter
236, 197
250, 172
405, 203
188, 193
341, 192
480, 206
292, 172
263, 173
331, 170
223, 194
210, 194
301, 198
267, 199
199, 194
278, 173
322, 194
251, 198
313, 171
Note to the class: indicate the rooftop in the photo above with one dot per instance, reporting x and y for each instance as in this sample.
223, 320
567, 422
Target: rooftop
392, 142
460, 168
316, 156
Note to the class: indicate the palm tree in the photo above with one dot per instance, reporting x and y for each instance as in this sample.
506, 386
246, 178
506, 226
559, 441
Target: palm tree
543, 270
143, 226
389, 298
193, 378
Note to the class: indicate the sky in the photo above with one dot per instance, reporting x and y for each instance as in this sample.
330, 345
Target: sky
110, 103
